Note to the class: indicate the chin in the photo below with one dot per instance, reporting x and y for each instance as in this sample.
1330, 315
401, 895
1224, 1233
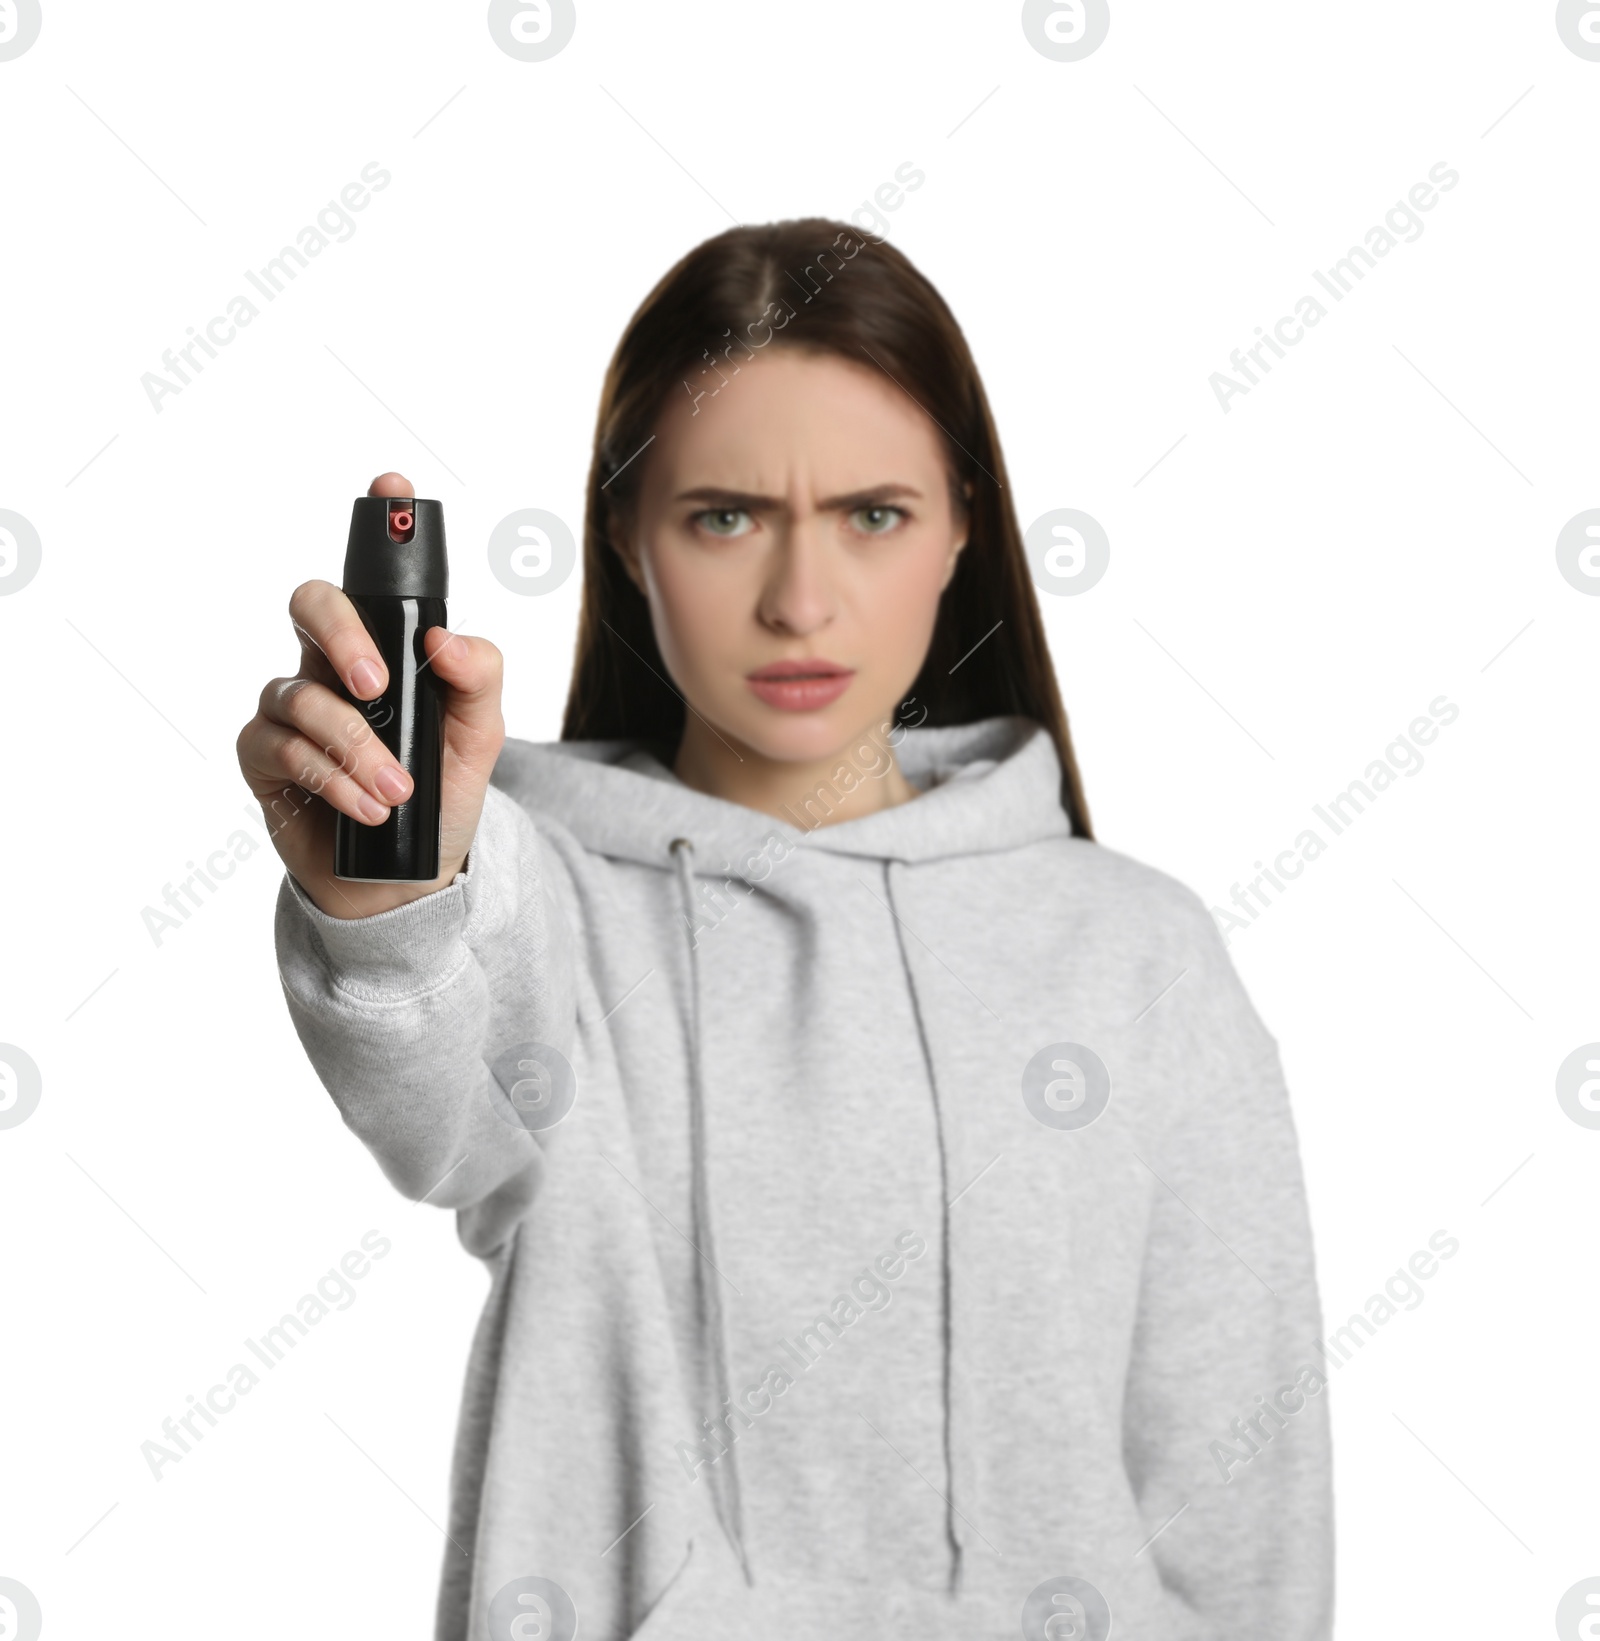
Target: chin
805, 737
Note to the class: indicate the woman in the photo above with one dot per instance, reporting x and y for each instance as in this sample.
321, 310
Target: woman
890, 1194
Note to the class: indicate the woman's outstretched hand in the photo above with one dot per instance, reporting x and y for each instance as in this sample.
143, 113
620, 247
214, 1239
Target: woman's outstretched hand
308, 752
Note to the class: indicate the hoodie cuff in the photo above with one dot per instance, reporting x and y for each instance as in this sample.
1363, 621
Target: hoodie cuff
396, 953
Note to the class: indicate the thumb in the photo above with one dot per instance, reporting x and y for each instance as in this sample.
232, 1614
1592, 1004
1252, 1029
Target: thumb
473, 668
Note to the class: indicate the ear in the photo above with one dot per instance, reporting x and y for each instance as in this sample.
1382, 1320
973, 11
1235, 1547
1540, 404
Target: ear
965, 521
950, 565
621, 541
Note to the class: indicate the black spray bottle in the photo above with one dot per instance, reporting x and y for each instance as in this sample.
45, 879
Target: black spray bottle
395, 575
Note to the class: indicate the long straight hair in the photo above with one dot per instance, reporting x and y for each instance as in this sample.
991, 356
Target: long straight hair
825, 286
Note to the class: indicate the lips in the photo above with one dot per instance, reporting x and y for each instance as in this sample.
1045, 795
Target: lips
802, 685
800, 669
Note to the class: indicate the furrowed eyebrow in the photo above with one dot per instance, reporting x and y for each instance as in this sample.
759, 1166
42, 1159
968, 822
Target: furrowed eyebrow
746, 499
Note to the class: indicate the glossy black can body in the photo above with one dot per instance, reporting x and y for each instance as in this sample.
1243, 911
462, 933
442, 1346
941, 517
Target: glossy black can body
409, 719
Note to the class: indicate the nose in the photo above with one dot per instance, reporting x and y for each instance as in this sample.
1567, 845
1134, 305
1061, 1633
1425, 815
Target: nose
798, 596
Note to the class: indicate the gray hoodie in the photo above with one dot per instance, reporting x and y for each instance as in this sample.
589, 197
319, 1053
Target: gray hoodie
895, 1226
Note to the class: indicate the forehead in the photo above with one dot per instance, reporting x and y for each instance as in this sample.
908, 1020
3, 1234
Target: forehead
791, 414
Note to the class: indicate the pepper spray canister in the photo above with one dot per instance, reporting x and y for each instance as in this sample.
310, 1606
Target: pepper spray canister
396, 576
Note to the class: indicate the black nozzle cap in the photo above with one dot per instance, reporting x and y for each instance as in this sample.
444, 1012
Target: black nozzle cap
377, 565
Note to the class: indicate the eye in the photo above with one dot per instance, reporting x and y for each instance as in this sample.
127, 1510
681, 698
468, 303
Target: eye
877, 519
723, 521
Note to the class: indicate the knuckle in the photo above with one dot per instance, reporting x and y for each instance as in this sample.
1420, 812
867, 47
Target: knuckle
346, 634
271, 695
290, 699
311, 774
353, 734
290, 756
318, 611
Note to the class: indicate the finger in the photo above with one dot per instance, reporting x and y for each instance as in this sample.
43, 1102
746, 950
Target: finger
330, 627
474, 669
390, 484
272, 753
282, 804
327, 720
263, 782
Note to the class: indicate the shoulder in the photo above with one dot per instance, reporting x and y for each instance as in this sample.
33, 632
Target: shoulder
1145, 905
1139, 920
1150, 924
526, 770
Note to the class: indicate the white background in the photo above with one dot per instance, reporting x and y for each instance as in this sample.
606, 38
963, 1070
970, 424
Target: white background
1370, 528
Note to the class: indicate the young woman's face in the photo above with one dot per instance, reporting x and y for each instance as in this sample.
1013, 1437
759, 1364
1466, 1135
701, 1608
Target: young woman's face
803, 514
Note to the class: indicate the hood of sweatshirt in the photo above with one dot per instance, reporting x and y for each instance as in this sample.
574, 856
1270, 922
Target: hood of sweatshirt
991, 785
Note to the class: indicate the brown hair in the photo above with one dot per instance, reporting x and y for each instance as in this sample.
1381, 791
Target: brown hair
824, 285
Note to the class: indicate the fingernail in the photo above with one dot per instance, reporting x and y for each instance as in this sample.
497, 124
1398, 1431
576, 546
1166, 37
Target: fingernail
392, 782
365, 679
372, 809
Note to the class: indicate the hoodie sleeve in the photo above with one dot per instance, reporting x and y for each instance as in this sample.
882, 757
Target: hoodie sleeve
403, 1014
1226, 1412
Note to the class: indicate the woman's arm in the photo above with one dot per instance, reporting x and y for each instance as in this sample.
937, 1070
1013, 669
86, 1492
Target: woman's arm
409, 996
404, 1013
1226, 1410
